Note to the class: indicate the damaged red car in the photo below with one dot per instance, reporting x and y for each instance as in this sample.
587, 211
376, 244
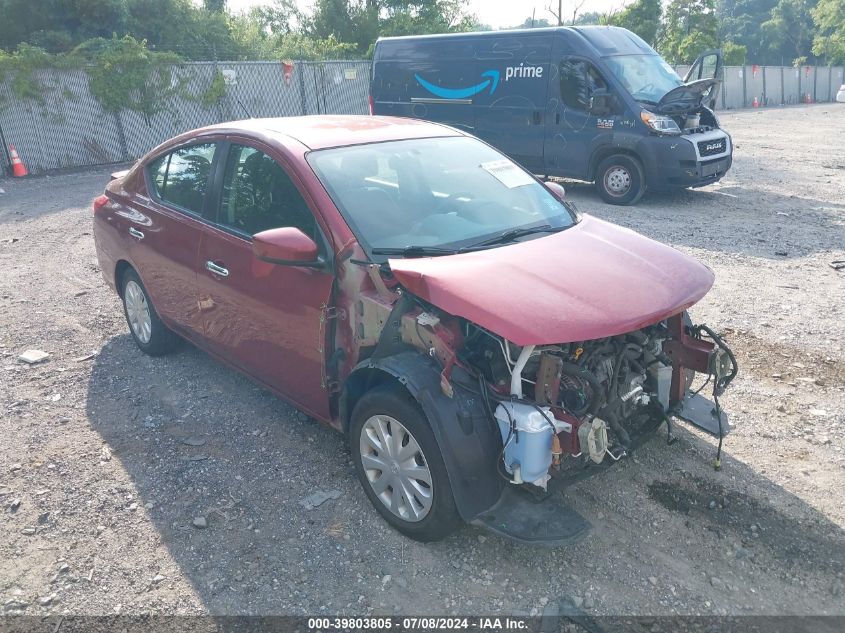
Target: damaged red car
478, 340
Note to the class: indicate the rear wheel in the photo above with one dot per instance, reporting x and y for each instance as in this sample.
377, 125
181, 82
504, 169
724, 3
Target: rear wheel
399, 464
150, 334
620, 180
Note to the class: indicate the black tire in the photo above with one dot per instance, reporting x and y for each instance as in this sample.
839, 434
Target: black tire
620, 179
161, 340
394, 401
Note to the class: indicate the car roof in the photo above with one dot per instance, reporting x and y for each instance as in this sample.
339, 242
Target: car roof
329, 130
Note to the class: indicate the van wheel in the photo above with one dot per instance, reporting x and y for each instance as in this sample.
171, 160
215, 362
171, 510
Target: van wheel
150, 334
399, 464
620, 180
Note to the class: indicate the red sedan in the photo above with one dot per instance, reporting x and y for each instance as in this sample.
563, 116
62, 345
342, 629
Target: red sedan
477, 339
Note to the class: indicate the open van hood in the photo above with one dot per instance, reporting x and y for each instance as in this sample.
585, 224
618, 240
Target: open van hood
590, 281
687, 97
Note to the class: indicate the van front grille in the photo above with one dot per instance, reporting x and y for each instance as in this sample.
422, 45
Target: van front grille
711, 148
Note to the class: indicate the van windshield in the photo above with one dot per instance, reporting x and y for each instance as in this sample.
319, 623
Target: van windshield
647, 77
435, 196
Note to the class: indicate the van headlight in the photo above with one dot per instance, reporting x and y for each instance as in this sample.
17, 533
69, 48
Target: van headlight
660, 123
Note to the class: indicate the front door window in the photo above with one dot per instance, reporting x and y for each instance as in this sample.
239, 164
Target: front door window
258, 195
580, 82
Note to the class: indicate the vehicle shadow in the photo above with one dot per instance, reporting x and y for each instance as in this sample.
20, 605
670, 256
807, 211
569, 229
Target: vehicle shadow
735, 218
199, 440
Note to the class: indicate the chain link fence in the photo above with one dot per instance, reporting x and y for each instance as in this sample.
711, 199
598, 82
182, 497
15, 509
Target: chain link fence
70, 129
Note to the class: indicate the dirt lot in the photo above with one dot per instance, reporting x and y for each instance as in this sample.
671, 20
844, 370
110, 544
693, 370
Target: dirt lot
108, 456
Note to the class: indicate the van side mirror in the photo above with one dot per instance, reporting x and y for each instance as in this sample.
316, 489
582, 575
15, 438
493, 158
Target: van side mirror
556, 189
286, 245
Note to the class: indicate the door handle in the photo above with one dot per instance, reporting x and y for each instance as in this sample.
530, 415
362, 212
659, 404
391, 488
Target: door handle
135, 233
217, 270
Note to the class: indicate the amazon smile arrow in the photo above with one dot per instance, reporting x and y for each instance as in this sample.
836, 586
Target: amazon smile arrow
462, 93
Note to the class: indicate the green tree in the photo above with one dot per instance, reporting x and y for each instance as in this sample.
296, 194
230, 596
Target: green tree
733, 54
642, 17
529, 23
689, 27
788, 33
58, 25
740, 22
829, 40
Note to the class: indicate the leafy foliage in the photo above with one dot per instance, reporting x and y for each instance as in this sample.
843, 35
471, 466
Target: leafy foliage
690, 27
215, 91
829, 41
21, 69
125, 74
642, 17
733, 54
788, 33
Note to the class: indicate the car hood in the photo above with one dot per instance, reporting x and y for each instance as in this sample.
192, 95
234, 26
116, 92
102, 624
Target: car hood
686, 98
590, 281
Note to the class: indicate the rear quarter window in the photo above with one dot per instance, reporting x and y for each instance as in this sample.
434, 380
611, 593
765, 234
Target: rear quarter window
181, 177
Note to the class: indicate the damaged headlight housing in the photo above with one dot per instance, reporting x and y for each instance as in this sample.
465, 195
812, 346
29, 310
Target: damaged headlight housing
660, 123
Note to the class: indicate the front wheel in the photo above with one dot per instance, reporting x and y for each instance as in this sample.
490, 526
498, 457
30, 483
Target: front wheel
399, 464
620, 180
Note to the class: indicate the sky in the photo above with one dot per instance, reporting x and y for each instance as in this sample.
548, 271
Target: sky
496, 13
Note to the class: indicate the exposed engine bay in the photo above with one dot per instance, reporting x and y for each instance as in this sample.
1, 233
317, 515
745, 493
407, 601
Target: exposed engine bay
593, 399
560, 408
697, 121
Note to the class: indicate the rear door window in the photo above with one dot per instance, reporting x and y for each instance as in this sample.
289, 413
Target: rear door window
259, 195
181, 177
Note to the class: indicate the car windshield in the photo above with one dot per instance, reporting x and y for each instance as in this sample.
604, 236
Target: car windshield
647, 77
435, 196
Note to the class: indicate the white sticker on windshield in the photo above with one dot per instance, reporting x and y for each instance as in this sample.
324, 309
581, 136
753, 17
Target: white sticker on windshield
507, 173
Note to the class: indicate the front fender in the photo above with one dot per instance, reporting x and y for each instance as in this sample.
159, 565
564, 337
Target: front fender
469, 440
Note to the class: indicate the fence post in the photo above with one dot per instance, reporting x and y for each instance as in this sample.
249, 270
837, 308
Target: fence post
121, 136
782, 88
8, 163
815, 82
829, 83
765, 94
744, 86
302, 88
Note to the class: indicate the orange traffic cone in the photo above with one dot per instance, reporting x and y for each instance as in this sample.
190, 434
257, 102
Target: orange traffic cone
755, 103
18, 168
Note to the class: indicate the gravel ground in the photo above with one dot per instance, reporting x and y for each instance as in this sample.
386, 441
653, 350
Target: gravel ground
174, 485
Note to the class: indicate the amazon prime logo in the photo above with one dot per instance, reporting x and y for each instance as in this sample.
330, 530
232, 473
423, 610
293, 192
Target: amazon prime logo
491, 81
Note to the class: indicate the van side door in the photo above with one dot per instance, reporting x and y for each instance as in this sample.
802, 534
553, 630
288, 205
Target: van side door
708, 65
587, 112
511, 114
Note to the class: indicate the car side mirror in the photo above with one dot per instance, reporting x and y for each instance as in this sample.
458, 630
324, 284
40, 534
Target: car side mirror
286, 245
556, 189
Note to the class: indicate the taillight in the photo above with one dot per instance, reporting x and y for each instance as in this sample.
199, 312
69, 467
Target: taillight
100, 202
371, 104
